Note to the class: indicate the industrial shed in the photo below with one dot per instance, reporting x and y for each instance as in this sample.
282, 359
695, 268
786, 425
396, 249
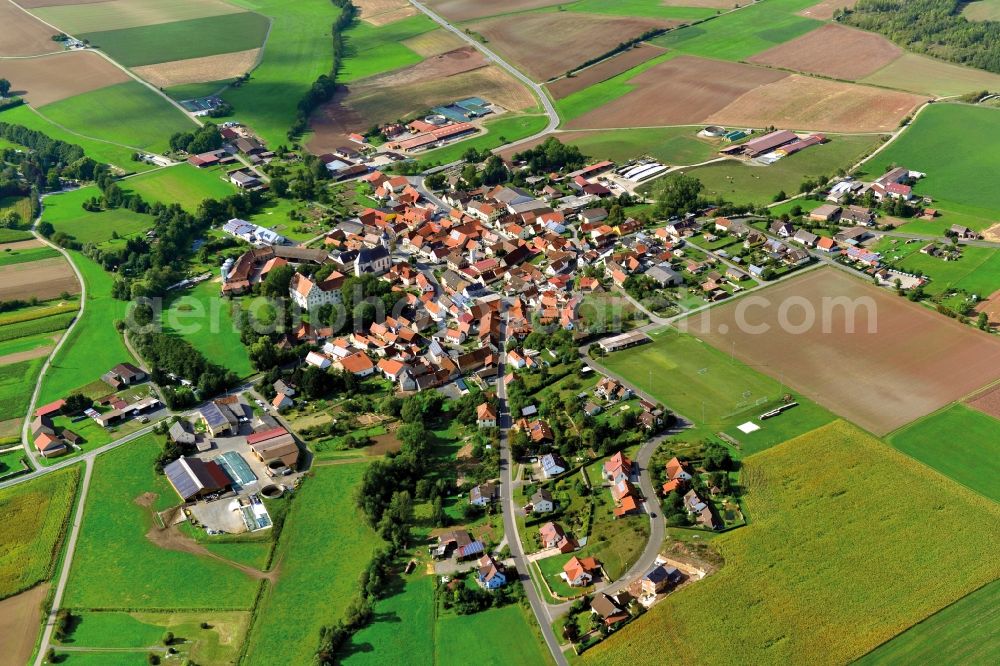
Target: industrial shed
193, 478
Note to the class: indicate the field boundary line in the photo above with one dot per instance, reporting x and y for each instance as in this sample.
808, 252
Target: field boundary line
25, 440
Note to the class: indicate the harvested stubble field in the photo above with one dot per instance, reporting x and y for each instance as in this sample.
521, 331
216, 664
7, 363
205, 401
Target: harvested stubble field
682, 90
466, 10
833, 51
199, 70
81, 17
928, 76
808, 103
22, 33
433, 43
359, 105
824, 11
604, 70
382, 12
42, 279
545, 45
54, 77
897, 365
831, 551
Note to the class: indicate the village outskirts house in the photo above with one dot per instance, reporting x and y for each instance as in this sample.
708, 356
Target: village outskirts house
486, 416
580, 572
490, 573
542, 502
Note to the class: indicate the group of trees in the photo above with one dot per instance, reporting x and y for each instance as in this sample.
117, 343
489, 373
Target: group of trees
43, 166
933, 27
677, 194
201, 140
169, 354
552, 155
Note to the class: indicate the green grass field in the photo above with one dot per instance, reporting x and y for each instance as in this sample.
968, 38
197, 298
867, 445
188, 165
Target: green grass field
959, 442
135, 573
739, 183
707, 386
35, 515
501, 131
14, 378
739, 35
644, 8
26, 343
970, 628
102, 151
970, 135
182, 184
977, 272
195, 90
298, 51
404, 629
10, 257
586, 100
375, 49
20, 205
203, 318
499, 636
127, 113
670, 145
180, 40
929, 76
94, 345
66, 214
13, 235
324, 547
833, 562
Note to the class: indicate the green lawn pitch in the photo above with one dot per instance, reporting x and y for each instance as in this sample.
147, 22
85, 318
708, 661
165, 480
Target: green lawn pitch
129, 114
959, 442
181, 40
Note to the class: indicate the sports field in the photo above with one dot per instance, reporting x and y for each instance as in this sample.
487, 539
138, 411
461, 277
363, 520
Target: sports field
739, 35
203, 318
135, 572
839, 341
102, 151
959, 442
375, 49
94, 345
183, 184
298, 51
969, 135
324, 547
178, 40
35, 515
66, 214
713, 389
129, 114
741, 183
832, 564
970, 628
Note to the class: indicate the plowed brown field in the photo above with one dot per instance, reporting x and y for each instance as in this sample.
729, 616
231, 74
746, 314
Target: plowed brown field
466, 10
54, 77
807, 103
21, 34
988, 402
548, 44
834, 51
603, 71
883, 365
680, 91
196, 70
45, 279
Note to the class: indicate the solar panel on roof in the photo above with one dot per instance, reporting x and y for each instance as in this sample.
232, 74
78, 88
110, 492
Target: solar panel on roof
181, 479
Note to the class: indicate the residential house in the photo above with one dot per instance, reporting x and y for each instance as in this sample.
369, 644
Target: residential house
358, 364
460, 543
310, 295
182, 433
483, 494
552, 536
486, 416
580, 572
618, 468
552, 465
122, 375
659, 578
608, 609
282, 402
490, 573
542, 502
318, 360
216, 422
700, 510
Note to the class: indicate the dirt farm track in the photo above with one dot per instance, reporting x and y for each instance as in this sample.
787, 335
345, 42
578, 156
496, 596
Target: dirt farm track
914, 362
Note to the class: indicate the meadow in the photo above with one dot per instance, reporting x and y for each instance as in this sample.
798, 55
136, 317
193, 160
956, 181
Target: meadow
14, 378
8, 258
298, 50
740, 183
14, 235
100, 150
94, 345
831, 564
712, 389
499, 636
403, 629
977, 272
35, 516
129, 114
135, 573
500, 132
741, 34
183, 184
970, 628
65, 212
646, 8
373, 49
195, 90
964, 132
323, 548
960, 442
670, 145
203, 318
179, 40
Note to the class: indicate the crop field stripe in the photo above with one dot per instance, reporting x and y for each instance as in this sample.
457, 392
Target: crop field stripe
25, 256
575, 105
371, 50
148, 45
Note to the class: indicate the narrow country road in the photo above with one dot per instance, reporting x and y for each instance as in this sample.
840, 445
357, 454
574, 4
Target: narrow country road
543, 98
67, 563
